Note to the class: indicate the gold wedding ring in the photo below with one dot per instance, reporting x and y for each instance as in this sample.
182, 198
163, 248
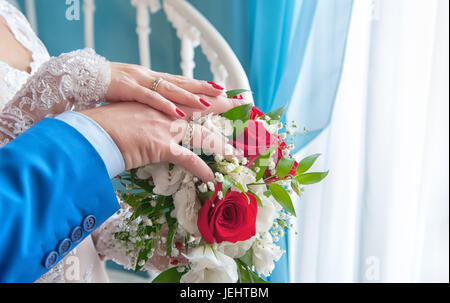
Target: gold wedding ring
156, 83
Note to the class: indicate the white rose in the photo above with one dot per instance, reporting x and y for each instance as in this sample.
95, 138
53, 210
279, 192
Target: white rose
268, 212
235, 250
144, 173
187, 207
265, 253
218, 124
208, 266
166, 181
244, 176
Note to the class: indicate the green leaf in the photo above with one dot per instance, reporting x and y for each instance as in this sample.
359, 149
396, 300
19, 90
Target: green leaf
234, 92
241, 113
247, 259
277, 114
282, 197
172, 223
246, 275
241, 188
226, 184
262, 162
205, 196
143, 255
284, 166
258, 199
267, 193
306, 163
238, 128
311, 178
169, 276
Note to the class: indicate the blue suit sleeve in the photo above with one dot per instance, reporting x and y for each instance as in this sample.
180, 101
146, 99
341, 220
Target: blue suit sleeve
54, 191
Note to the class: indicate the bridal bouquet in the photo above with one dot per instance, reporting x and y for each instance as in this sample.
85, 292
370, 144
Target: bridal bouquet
224, 231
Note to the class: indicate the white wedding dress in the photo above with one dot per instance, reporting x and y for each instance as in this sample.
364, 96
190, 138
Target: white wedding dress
72, 81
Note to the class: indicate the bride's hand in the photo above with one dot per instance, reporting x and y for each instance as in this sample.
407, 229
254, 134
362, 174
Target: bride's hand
133, 83
145, 135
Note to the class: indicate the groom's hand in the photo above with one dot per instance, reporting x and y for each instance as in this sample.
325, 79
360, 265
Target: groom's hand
145, 135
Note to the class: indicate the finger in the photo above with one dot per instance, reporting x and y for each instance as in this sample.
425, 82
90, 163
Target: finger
155, 100
219, 105
211, 142
191, 162
181, 96
195, 86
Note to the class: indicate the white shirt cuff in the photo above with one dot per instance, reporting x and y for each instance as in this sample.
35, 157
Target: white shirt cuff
99, 138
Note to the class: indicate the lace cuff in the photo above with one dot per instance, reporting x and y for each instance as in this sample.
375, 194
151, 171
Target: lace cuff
72, 81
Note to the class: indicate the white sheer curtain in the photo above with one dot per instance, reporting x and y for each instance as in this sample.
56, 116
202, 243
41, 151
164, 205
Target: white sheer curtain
382, 215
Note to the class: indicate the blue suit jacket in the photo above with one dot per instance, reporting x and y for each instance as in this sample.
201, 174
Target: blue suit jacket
54, 191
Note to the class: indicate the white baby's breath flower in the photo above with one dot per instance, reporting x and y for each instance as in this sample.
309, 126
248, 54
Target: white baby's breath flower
175, 252
147, 221
229, 149
265, 252
208, 266
211, 186
220, 195
161, 220
203, 188
219, 177
235, 161
230, 167
218, 158
244, 161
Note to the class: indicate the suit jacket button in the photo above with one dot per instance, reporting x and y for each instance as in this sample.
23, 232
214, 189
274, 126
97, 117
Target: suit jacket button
64, 246
89, 223
76, 234
50, 259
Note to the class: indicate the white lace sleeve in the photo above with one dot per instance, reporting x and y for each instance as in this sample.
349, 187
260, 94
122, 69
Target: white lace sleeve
118, 251
76, 80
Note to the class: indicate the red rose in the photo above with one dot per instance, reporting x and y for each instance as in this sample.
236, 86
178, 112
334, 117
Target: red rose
255, 139
255, 113
231, 219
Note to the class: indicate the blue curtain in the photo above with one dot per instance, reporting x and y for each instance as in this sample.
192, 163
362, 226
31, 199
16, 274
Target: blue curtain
296, 56
292, 50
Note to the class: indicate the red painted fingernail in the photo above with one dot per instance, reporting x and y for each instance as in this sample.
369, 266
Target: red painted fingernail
205, 103
215, 85
180, 113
